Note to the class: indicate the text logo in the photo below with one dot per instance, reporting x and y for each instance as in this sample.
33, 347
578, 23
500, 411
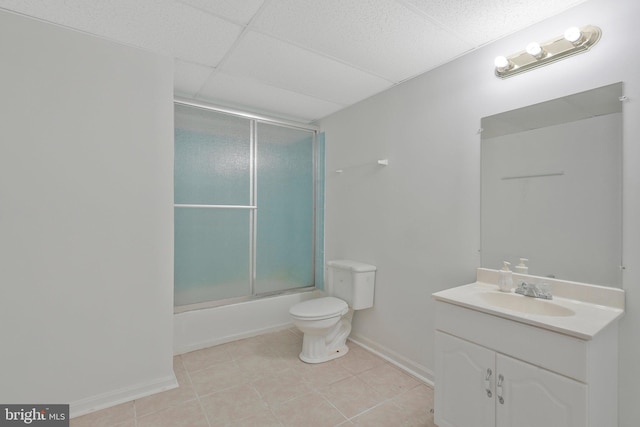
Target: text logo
34, 415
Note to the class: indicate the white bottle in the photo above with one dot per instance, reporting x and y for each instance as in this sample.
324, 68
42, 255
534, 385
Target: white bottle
505, 280
522, 267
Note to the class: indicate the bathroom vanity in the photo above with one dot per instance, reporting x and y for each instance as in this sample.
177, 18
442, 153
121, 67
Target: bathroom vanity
504, 359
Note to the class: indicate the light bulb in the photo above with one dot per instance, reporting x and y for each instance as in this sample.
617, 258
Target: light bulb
573, 35
502, 63
535, 50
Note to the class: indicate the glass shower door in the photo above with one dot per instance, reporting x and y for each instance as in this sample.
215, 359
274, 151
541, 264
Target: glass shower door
213, 210
285, 216
245, 201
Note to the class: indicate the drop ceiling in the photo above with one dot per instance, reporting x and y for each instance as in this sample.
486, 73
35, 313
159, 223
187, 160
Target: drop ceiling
295, 59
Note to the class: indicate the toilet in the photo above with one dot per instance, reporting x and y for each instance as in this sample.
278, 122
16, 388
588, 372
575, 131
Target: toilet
326, 321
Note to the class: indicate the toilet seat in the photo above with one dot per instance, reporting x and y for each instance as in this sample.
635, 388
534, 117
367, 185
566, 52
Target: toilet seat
319, 308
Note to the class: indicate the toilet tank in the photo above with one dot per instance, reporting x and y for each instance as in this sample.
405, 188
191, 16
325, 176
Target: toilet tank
351, 281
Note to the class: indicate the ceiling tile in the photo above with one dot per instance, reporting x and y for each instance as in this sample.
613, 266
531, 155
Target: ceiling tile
140, 23
233, 91
480, 21
280, 64
380, 36
201, 37
188, 78
158, 25
303, 58
234, 10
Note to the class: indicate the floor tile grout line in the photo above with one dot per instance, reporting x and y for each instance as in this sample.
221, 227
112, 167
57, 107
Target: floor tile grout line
135, 414
314, 388
269, 407
213, 364
336, 408
206, 416
384, 401
371, 408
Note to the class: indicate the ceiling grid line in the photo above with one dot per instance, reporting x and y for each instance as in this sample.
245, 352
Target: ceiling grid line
299, 60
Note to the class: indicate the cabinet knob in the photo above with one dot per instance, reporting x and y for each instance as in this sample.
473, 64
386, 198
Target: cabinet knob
487, 382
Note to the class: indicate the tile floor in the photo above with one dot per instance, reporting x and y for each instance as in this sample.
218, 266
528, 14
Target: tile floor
260, 382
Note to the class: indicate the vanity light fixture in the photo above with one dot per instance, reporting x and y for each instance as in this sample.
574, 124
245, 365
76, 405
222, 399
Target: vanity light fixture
575, 40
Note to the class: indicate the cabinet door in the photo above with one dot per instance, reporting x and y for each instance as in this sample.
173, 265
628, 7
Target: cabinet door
461, 395
535, 397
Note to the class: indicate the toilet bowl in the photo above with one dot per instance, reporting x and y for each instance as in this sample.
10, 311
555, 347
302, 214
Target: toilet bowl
325, 325
326, 321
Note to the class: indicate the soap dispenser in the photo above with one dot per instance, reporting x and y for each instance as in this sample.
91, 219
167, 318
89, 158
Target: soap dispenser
522, 267
505, 281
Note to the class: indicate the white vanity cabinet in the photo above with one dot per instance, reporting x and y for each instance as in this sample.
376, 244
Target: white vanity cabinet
536, 397
499, 368
464, 383
478, 387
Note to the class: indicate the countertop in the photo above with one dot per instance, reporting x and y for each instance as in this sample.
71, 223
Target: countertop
594, 307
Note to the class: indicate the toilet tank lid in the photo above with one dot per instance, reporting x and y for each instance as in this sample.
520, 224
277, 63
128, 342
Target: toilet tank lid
347, 264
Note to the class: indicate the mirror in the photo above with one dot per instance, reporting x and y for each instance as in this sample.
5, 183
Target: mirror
551, 187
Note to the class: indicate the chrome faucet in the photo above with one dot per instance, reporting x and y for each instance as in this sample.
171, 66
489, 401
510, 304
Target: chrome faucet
533, 290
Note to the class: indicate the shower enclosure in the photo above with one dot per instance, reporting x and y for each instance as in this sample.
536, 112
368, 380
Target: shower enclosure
246, 198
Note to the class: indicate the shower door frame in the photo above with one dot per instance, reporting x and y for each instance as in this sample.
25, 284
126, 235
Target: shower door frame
254, 119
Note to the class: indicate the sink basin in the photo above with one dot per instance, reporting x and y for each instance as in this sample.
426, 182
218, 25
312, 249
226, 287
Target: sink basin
577, 309
528, 305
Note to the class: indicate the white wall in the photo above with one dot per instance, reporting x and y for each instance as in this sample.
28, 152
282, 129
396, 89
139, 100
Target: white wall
418, 219
86, 218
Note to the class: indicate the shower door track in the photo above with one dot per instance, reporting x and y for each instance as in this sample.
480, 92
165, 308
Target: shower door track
264, 119
183, 205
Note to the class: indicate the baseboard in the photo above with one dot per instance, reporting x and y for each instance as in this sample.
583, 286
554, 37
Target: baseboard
414, 369
107, 400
